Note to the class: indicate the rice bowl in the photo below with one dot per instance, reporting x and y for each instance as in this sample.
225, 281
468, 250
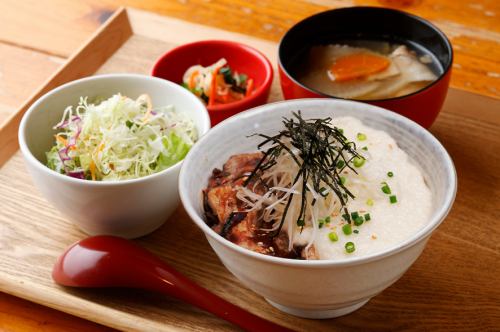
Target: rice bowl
335, 287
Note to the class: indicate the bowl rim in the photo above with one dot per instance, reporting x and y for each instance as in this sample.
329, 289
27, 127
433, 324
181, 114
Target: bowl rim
445, 72
422, 234
262, 59
205, 119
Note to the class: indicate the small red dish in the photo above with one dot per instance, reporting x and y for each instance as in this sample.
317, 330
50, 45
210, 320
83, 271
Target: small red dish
370, 23
242, 58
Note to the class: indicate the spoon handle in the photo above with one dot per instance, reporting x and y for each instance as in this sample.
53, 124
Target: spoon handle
172, 283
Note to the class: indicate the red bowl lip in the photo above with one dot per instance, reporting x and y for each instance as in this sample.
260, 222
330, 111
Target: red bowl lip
264, 61
418, 18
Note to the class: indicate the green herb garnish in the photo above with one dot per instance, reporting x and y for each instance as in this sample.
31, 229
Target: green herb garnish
347, 229
359, 221
358, 161
385, 188
361, 137
390, 174
349, 247
333, 236
320, 147
393, 199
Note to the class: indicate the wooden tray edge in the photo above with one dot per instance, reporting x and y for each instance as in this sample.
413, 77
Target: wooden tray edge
80, 308
85, 61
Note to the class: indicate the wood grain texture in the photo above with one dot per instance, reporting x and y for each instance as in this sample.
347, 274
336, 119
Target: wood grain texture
473, 26
85, 61
16, 83
37, 317
55, 27
450, 287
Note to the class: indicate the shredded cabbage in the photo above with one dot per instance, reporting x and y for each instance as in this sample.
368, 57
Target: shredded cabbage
119, 138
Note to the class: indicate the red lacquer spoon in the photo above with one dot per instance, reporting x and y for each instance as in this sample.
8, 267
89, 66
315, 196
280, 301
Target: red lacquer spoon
108, 261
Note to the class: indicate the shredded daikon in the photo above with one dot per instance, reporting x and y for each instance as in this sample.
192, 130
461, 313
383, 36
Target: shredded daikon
279, 179
119, 138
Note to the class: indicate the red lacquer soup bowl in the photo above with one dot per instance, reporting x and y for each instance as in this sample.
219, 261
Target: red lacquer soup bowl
339, 26
241, 58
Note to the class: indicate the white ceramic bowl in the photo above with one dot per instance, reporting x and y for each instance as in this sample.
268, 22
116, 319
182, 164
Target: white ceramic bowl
324, 288
129, 208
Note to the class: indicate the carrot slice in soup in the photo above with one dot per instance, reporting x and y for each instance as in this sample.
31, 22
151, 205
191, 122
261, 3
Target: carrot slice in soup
354, 66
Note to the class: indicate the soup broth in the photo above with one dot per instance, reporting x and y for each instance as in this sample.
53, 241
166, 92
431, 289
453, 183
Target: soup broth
368, 69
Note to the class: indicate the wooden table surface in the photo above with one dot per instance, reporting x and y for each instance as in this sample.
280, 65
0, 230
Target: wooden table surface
37, 36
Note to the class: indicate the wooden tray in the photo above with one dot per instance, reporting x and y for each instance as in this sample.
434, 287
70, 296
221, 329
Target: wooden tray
449, 280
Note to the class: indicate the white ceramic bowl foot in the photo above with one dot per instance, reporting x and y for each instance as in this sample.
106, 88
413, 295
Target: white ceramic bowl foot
319, 314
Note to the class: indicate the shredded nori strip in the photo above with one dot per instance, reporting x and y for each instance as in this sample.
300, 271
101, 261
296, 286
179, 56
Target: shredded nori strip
229, 79
321, 146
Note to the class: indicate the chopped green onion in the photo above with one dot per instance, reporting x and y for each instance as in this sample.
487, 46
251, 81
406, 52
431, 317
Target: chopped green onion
327, 220
355, 231
369, 202
390, 174
354, 215
342, 180
364, 148
349, 247
361, 137
347, 229
368, 217
358, 221
385, 188
333, 236
301, 222
358, 161
243, 79
340, 163
346, 217
340, 130
393, 199
321, 222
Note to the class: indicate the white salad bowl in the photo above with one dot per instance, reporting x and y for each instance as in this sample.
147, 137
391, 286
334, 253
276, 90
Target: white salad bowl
318, 288
128, 208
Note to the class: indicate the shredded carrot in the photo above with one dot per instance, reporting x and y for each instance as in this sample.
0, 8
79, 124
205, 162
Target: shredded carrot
225, 97
191, 79
92, 169
62, 140
213, 88
249, 87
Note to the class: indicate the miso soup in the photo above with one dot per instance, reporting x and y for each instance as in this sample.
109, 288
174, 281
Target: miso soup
368, 69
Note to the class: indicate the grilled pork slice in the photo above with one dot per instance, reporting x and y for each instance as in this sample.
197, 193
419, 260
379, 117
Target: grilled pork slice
241, 164
227, 215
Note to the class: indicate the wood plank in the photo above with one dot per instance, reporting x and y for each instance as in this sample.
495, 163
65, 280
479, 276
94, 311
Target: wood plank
17, 82
473, 28
55, 27
84, 62
18, 315
5, 112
